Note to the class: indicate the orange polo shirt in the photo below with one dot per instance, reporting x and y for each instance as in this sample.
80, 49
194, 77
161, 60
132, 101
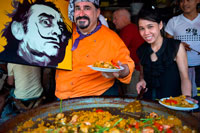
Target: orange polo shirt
103, 45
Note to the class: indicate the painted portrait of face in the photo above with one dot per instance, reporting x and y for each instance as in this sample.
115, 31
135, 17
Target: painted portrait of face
45, 33
41, 33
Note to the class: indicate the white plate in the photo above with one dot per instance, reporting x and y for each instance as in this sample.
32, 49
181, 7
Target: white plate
179, 108
106, 69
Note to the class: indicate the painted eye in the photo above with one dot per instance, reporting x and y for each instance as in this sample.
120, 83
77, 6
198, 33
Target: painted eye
46, 22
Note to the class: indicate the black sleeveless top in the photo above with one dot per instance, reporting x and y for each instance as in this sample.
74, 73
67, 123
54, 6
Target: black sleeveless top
162, 76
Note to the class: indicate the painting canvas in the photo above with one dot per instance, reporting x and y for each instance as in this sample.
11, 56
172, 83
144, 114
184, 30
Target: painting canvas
36, 32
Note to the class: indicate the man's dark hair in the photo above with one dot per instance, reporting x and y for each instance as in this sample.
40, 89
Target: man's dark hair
96, 6
21, 13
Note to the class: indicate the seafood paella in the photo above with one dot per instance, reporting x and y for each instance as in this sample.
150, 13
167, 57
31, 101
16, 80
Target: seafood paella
98, 120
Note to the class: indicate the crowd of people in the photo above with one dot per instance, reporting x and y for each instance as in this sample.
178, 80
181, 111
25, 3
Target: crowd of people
151, 60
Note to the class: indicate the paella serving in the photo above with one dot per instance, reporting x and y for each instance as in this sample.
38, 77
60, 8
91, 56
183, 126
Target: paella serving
100, 120
106, 64
179, 101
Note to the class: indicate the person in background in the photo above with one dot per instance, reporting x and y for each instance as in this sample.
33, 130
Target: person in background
186, 27
92, 42
164, 70
3, 67
3, 91
27, 91
130, 35
3, 74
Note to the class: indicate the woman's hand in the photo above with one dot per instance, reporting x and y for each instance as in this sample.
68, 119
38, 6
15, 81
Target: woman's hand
141, 84
191, 99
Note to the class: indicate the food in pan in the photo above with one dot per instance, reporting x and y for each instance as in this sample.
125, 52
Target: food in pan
133, 107
179, 101
102, 121
106, 64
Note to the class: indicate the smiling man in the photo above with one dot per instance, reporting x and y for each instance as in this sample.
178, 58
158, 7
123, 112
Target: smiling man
39, 32
92, 42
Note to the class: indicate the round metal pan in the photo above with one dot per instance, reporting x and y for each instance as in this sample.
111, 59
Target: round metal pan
113, 104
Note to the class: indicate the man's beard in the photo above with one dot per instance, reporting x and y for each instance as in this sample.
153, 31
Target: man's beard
81, 24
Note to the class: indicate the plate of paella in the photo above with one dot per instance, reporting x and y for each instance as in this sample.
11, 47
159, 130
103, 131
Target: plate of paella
178, 103
106, 66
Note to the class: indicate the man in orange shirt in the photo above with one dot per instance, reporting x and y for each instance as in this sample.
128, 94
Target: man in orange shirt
92, 42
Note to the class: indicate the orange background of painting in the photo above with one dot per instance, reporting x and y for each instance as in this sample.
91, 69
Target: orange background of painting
62, 5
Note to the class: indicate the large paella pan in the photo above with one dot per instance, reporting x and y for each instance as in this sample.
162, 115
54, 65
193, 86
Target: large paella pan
112, 104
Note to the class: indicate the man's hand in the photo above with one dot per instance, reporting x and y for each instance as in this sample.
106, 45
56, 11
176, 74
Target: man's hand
121, 74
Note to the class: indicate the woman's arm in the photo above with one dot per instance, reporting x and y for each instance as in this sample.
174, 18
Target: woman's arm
181, 60
141, 73
187, 46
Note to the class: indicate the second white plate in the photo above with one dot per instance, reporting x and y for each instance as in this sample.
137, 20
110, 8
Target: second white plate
179, 108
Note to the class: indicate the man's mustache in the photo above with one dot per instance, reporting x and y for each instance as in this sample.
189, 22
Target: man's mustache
82, 17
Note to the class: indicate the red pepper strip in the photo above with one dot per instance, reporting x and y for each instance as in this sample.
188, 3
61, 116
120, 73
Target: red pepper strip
159, 126
137, 125
169, 131
115, 65
99, 110
171, 101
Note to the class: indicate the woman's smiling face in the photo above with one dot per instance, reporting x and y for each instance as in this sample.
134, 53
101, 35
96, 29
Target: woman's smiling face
149, 30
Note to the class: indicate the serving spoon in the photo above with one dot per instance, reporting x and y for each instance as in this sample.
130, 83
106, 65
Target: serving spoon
140, 95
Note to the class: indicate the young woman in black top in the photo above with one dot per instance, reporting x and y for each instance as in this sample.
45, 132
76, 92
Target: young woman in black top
164, 70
